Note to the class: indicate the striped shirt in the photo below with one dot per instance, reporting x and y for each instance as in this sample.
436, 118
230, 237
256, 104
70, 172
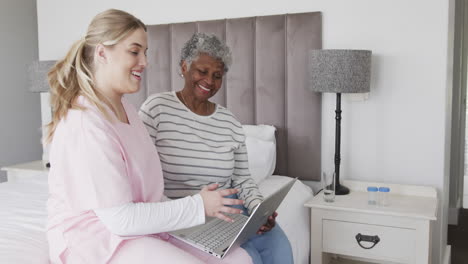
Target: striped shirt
198, 150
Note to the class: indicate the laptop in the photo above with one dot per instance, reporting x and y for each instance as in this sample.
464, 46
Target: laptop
217, 237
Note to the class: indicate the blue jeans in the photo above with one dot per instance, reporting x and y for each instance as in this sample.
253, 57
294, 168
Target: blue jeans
271, 247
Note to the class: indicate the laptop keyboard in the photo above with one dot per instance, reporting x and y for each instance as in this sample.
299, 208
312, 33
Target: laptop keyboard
217, 232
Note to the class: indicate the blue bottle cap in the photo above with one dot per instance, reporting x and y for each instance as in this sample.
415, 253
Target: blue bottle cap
384, 189
372, 189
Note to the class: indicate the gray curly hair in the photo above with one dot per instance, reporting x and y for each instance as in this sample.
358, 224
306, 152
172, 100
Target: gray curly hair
209, 44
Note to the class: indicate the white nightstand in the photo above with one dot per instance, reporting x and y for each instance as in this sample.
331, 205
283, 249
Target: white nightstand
23, 171
402, 228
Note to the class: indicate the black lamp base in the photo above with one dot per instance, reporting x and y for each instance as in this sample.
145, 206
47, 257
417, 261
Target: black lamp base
341, 190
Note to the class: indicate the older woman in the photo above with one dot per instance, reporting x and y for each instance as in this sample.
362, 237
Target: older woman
200, 142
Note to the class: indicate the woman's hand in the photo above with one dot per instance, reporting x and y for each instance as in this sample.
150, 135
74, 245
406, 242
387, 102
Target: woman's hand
271, 222
214, 202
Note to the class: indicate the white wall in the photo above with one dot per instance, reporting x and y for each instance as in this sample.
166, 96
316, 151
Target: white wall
19, 109
400, 135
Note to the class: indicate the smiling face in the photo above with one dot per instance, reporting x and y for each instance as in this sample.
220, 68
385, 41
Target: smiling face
204, 77
120, 66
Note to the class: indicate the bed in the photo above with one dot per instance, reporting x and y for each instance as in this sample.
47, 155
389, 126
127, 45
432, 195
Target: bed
23, 219
265, 85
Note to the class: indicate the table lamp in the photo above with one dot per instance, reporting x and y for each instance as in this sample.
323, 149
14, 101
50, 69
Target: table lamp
339, 71
38, 83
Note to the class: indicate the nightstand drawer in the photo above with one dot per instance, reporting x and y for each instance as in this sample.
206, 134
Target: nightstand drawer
394, 244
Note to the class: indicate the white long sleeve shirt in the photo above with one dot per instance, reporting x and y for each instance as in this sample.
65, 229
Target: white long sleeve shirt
133, 219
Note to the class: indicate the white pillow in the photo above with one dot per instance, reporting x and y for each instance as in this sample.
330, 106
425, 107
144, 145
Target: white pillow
263, 132
261, 150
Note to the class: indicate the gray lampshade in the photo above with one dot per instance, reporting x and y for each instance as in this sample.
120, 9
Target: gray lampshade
37, 74
339, 71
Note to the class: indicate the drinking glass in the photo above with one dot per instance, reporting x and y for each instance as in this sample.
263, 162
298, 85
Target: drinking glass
328, 186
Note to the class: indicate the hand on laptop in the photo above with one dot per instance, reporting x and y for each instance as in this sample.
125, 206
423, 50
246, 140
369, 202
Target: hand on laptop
271, 222
214, 202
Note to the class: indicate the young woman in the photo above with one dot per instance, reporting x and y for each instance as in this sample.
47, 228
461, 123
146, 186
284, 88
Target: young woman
106, 202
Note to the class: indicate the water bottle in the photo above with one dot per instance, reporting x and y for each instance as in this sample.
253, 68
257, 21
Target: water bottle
383, 196
372, 195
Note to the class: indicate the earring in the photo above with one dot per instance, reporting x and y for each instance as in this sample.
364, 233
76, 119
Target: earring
182, 75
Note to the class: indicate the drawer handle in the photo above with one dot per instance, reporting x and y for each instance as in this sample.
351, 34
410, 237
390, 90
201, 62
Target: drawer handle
372, 239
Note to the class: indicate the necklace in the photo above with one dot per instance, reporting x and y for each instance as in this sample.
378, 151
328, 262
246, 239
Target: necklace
185, 103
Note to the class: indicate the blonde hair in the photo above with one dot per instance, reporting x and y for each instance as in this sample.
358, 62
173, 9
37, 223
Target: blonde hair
72, 76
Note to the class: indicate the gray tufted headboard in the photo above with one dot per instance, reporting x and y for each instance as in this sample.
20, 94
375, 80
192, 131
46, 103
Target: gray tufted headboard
266, 83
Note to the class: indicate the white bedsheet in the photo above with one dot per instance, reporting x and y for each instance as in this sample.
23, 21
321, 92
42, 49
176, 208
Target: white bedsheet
23, 219
293, 217
22, 222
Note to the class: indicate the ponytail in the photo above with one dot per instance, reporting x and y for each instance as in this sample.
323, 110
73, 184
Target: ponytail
69, 78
